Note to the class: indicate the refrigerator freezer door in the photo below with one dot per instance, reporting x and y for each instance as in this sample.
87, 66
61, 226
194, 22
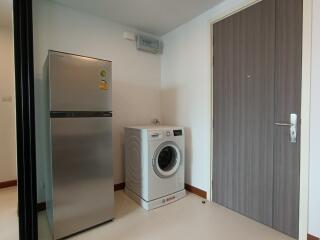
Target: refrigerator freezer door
79, 83
83, 194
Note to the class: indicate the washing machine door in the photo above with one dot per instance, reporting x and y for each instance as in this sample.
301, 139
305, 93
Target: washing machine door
167, 159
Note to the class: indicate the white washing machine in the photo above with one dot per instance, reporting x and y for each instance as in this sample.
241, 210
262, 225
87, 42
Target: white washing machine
154, 164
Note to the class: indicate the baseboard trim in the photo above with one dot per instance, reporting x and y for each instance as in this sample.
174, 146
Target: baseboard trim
41, 206
119, 186
196, 191
189, 188
311, 237
6, 184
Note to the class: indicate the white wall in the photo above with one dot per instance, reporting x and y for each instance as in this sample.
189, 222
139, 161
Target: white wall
136, 75
8, 164
186, 83
314, 180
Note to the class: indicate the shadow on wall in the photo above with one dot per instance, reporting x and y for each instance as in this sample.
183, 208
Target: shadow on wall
172, 110
133, 104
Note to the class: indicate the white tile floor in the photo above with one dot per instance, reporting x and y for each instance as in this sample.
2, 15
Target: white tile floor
8, 214
185, 219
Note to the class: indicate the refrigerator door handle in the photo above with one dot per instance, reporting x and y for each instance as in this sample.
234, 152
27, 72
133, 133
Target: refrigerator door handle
80, 114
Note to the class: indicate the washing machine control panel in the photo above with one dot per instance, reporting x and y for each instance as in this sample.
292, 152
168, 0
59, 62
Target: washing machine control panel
158, 134
177, 132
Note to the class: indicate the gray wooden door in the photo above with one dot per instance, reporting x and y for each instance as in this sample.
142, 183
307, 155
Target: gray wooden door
288, 100
244, 111
257, 82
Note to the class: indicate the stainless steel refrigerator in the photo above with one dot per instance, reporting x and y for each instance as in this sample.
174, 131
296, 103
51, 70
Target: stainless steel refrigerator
81, 190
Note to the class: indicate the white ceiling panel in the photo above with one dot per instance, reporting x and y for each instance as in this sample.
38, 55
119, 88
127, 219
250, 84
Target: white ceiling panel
153, 16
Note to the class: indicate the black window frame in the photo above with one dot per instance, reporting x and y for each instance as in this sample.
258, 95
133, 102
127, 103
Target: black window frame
25, 119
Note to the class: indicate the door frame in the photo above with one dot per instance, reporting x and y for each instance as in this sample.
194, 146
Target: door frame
305, 105
25, 119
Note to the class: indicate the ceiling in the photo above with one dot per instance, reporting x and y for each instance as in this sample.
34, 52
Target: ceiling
153, 16
5, 13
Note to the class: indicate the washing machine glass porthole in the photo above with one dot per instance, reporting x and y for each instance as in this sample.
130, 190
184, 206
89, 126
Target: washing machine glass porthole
167, 159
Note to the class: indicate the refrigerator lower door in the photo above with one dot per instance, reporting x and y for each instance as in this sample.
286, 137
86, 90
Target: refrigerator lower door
83, 194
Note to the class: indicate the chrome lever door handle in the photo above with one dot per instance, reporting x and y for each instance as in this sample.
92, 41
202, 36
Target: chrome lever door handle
283, 124
293, 127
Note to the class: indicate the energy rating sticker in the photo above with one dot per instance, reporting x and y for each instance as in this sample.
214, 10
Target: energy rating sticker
103, 85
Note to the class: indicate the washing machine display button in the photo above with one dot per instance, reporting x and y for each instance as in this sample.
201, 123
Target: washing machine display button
177, 132
168, 133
